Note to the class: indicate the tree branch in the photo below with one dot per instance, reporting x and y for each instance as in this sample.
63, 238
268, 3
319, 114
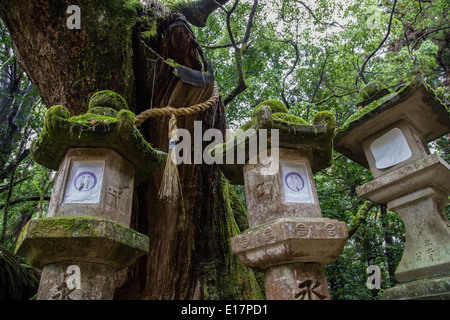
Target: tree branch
321, 75
238, 51
4, 173
197, 12
334, 23
361, 72
28, 199
425, 34
334, 95
294, 65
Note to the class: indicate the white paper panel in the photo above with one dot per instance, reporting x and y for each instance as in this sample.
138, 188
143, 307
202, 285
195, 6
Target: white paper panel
390, 149
84, 183
296, 184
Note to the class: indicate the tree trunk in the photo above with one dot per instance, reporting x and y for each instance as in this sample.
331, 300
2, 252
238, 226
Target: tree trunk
152, 59
17, 280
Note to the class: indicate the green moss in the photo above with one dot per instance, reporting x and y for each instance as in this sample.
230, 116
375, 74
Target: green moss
249, 124
102, 127
274, 106
325, 117
372, 107
102, 111
107, 99
370, 89
91, 119
147, 35
59, 111
288, 118
57, 238
232, 279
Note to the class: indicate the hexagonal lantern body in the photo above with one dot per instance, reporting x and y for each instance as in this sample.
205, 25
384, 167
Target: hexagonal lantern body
288, 239
93, 182
389, 136
290, 192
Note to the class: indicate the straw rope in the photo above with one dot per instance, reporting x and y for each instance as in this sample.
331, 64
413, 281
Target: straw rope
170, 189
169, 111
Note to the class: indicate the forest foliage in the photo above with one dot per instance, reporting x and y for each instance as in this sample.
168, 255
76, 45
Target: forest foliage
312, 56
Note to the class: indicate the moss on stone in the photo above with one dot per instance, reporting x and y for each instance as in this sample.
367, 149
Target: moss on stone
288, 118
370, 89
371, 108
45, 240
249, 124
274, 106
325, 117
107, 99
101, 127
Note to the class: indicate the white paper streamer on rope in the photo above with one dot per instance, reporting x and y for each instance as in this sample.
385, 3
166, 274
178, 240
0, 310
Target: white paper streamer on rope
84, 182
296, 183
390, 149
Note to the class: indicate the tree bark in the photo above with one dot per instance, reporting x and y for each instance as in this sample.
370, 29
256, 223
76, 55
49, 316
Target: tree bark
153, 60
17, 280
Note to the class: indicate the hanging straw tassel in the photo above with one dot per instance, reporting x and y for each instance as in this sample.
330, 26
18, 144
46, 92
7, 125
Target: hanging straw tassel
169, 190
171, 185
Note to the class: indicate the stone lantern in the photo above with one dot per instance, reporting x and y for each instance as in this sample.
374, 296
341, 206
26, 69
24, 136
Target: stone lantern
390, 137
288, 238
86, 236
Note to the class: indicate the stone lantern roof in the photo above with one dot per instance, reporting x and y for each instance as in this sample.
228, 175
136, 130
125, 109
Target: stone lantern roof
415, 103
107, 124
294, 133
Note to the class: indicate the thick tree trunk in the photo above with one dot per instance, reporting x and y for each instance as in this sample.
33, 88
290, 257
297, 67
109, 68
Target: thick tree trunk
153, 60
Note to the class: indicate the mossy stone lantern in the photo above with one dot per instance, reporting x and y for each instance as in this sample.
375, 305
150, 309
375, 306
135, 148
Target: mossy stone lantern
389, 136
288, 238
100, 157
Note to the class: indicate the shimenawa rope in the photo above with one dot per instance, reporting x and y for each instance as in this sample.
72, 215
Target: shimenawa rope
170, 184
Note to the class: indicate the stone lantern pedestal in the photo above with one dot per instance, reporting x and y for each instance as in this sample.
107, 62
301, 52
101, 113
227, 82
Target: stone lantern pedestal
86, 236
288, 239
390, 137
79, 256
